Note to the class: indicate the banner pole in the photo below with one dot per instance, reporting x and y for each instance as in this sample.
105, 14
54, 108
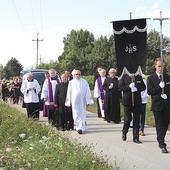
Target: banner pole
161, 37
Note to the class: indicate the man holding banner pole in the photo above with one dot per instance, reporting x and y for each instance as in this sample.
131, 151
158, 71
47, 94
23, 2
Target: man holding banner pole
130, 46
131, 86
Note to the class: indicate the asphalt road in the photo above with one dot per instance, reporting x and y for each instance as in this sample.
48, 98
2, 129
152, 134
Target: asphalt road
105, 141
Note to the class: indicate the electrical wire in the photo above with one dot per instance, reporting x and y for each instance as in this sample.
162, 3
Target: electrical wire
20, 19
41, 17
33, 17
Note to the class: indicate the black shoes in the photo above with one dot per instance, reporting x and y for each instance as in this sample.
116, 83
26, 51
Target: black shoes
137, 141
164, 150
79, 131
124, 137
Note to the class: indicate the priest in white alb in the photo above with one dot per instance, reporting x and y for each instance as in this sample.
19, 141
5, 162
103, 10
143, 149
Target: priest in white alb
99, 92
78, 97
47, 94
30, 89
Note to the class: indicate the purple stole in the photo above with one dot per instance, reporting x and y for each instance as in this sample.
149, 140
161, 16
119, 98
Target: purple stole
44, 110
51, 107
99, 81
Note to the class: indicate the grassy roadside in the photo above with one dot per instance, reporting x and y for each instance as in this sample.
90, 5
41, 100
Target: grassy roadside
26, 144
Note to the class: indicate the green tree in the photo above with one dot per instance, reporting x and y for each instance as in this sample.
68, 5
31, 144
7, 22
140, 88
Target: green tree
77, 49
12, 68
153, 46
103, 53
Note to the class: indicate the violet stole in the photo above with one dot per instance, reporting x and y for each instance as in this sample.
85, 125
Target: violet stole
99, 81
44, 110
51, 107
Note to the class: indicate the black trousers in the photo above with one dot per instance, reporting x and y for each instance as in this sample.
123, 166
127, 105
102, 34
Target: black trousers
98, 109
128, 110
52, 116
33, 110
161, 123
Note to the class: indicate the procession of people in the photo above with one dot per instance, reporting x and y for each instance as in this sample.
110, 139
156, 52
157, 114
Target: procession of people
66, 98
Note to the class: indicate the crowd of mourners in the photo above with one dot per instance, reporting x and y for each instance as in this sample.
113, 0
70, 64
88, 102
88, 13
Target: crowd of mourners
64, 99
10, 90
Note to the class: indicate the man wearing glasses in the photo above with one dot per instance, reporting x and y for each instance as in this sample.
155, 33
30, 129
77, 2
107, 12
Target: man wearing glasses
78, 97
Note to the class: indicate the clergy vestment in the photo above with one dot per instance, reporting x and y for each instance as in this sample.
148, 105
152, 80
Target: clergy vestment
100, 93
31, 98
48, 91
65, 115
112, 100
78, 97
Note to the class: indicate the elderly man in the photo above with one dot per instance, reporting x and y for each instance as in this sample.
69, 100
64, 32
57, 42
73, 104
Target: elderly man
65, 115
48, 91
78, 97
112, 97
99, 93
30, 89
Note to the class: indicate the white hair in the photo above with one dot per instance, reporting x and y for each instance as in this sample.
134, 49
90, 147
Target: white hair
73, 72
113, 70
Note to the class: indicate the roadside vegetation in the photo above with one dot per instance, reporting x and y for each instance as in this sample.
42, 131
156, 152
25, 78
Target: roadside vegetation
26, 144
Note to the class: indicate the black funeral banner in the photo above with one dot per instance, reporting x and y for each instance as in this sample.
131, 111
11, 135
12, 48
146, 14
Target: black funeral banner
130, 45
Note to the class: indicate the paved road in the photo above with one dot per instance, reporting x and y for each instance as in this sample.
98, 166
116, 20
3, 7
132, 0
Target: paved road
105, 140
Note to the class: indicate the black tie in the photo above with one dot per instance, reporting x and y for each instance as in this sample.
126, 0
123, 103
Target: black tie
160, 77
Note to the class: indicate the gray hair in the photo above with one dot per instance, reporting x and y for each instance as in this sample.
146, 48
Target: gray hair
112, 70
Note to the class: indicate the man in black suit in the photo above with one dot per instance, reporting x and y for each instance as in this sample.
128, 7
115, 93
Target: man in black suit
131, 87
159, 89
69, 77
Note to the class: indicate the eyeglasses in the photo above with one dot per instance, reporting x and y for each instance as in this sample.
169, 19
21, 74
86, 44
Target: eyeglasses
77, 74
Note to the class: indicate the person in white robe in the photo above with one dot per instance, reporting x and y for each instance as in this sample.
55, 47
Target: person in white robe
30, 88
78, 97
99, 92
47, 94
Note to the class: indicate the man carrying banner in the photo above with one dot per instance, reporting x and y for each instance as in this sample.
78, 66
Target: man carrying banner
130, 46
159, 88
131, 101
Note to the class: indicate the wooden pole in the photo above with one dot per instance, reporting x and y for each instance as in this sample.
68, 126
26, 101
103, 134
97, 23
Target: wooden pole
133, 94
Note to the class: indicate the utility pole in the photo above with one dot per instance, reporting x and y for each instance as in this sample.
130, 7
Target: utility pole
41, 59
161, 56
37, 48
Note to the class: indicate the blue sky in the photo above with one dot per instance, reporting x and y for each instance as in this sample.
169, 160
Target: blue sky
20, 20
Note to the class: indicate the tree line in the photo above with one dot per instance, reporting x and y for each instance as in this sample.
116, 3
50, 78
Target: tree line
82, 51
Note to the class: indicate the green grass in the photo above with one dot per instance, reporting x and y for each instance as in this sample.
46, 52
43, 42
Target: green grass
27, 144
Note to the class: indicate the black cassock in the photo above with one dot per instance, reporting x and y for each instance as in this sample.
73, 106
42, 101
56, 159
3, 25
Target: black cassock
64, 118
112, 100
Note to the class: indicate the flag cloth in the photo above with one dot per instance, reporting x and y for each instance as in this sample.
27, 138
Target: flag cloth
130, 44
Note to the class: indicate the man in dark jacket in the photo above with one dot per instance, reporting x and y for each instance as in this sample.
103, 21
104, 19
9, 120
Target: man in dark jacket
131, 87
112, 97
159, 89
64, 117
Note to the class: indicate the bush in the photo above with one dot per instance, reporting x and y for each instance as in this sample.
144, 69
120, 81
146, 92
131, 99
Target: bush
90, 80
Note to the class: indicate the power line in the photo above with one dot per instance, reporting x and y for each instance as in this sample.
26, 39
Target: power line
41, 17
20, 19
33, 16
